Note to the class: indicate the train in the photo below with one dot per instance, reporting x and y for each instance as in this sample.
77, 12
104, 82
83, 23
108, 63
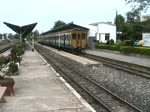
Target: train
70, 37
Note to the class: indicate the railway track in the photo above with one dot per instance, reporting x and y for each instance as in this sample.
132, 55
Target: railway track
105, 99
139, 70
6, 47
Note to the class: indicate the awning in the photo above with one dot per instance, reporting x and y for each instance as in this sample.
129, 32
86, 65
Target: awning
23, 30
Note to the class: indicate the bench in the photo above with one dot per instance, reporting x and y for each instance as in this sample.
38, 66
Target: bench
2, 91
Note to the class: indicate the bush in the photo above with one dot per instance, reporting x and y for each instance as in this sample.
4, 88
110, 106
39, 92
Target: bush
2, 60
136, 50
109, 47
13, 67
17, 51
128, 42
108, 42
112, 41
118, 43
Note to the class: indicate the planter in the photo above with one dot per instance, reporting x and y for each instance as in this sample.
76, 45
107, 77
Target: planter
9, 83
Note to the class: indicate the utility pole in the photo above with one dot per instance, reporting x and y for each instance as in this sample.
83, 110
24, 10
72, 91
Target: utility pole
116, 22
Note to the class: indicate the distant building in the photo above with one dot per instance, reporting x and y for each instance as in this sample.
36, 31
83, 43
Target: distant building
145, 17
105, 31
146, 39
100, 32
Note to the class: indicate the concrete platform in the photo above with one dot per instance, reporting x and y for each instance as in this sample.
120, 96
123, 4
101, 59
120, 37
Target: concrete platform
72, 56
144, 61
39, 88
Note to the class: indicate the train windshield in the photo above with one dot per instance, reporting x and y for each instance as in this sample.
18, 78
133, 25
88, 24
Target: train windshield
83, 36
73, 36
78, 36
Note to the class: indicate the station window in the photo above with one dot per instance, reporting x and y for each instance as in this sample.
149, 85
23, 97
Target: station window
107, 35
83, 36
73, 36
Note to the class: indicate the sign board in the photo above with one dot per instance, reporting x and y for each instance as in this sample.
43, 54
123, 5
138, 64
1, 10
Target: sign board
146, 39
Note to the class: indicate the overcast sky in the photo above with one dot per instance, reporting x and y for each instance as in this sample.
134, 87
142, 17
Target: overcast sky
46, 12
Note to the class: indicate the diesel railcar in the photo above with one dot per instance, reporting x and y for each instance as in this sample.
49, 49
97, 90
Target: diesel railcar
71, 36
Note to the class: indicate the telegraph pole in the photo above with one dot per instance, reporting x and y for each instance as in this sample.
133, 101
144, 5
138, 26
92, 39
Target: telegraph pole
116, 22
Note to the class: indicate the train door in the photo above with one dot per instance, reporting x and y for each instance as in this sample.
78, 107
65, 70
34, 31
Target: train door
79, 40
83, 40
55, 41
74, 40
64, 40
59, 41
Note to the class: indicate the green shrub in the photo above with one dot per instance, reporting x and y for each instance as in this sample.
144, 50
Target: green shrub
13, 67
105, 46
111, 41
2, 61
136, 50
128, 42
17, 51
118, 43
108, 42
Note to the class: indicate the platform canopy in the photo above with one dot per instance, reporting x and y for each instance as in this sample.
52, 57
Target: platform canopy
22, 30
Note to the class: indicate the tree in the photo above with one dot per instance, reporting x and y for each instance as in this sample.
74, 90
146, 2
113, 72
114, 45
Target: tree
10, 36
1, 36
58, 23
127, 30
17, 36
119, 21
36, 34
139, 4
133, 16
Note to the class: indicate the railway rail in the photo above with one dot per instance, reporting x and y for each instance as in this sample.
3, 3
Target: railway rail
2, 50
139, 70
108, 102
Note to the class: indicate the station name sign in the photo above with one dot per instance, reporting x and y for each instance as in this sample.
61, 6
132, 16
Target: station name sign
146, 39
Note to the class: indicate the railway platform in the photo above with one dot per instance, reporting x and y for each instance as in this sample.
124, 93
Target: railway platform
39, 88
137, 60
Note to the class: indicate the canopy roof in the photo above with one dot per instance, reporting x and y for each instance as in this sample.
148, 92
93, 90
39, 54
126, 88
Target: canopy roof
64, 27
23, 30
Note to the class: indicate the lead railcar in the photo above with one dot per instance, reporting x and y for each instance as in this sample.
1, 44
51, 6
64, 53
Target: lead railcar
70, 36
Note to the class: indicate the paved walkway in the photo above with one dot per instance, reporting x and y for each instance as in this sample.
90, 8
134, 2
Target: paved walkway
39, 89
145, 61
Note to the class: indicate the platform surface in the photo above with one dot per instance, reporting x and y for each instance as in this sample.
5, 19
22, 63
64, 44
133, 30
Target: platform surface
144, 61
38, 88
72, 56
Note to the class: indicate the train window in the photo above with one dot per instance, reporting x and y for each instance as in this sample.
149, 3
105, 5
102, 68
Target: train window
64, 37
67, 37
83, 36
73, 36
78, 36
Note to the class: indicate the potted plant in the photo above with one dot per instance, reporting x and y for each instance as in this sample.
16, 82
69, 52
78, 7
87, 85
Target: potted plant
12, 68
5, 79
16, 52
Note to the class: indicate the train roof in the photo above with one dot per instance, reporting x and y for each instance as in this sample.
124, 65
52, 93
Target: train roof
65, 27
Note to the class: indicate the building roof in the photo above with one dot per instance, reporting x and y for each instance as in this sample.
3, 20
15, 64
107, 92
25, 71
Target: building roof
65, 27
24, 30
108, 23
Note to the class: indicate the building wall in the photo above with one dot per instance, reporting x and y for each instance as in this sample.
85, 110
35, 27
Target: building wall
145, 17
103, 29
98, 32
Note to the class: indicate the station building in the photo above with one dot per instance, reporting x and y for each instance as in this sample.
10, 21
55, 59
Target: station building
101, 32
